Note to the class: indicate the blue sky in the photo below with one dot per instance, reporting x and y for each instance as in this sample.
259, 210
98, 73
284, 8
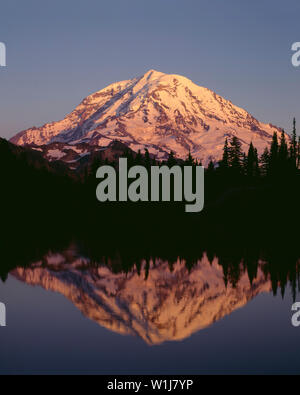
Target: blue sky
58, 52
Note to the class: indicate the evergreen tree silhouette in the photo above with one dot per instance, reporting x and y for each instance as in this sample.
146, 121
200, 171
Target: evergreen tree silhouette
265, 162
211, 166
139, 158
283, 149
235, 156
189, 161
293, 144
171, 159
148, 161
273, 159
251, 162
224, 163
256, 164
244, 164
283, 156
130, 158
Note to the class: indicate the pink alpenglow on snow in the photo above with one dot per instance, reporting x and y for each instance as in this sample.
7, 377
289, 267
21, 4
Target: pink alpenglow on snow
157, 111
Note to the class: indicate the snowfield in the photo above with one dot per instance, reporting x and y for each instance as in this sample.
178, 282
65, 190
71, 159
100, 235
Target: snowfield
55, 154
159, 112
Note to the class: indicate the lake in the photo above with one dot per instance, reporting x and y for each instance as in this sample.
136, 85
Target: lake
67, 313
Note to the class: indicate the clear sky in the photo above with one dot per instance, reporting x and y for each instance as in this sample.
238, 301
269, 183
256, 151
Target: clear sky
60, 51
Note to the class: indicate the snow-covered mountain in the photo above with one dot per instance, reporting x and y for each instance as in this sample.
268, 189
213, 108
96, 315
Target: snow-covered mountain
156, 304
157, 111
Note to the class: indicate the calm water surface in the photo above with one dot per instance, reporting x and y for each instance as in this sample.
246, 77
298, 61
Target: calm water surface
66, 314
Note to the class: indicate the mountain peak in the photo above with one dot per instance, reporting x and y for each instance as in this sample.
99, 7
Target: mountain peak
152, 74
160, 112
192, 299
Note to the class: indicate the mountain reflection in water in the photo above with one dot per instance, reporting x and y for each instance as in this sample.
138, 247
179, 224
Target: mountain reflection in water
156, 300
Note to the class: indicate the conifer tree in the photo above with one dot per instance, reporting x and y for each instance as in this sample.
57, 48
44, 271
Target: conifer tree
265, 162
190, 161
293, 144
273, 158
130, 158
283, 149
256, 164
250, 162
171, 159
211, 167
138, 158
235, 155
283, 156
224, 163
147, 159
244, 164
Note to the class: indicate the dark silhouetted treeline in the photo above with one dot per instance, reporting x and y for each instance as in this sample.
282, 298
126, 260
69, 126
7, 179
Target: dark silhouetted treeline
251, 212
